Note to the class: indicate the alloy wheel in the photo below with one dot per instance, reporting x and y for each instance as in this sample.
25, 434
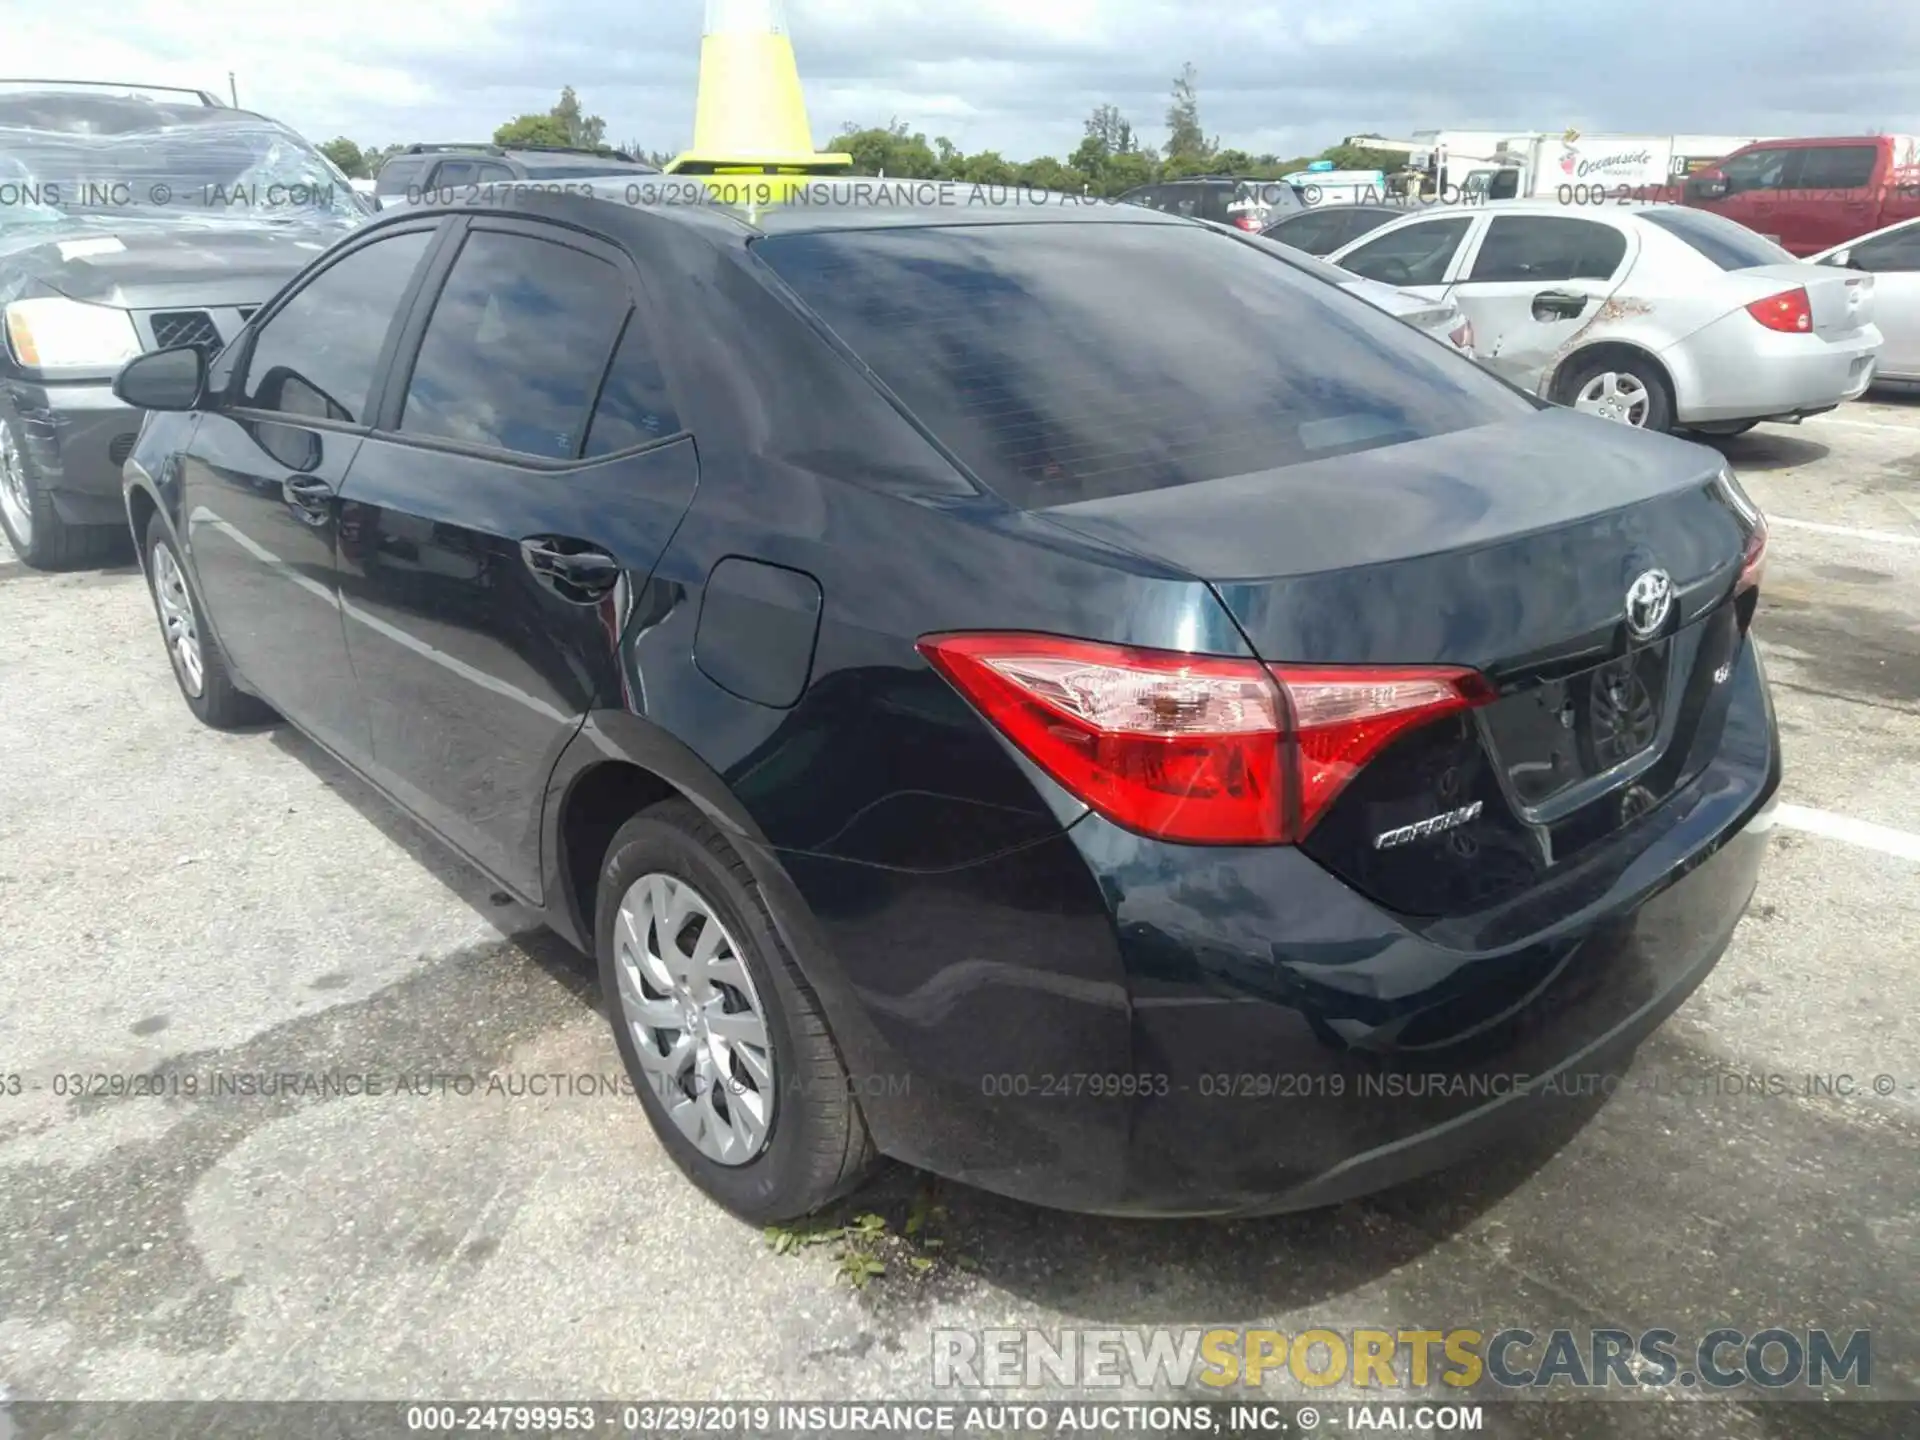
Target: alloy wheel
15, 499
1615, 395
177, 622
697, 1023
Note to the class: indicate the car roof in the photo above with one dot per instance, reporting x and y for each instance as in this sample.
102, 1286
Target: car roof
1540, 206
532, 156
65, 111
1799, 142
844, 204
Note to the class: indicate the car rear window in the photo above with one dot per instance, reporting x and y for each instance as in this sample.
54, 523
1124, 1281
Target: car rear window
1070, 362
1727, 243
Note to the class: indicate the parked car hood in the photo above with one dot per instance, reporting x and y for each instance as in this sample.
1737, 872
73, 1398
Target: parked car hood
145, 264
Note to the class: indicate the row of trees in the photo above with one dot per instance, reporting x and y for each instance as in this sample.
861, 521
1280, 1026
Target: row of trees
1109, 159
567, 123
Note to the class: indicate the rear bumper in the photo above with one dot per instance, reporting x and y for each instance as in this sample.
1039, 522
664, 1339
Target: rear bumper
77, 438
1734, 369
1105, 1023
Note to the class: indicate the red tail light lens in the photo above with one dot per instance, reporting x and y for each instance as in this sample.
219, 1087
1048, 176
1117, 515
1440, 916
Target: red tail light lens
1246, 222
1462, 334
1198, 749
1789, 312
1343, 716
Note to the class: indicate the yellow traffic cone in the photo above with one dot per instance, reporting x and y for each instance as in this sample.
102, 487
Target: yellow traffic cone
751, 118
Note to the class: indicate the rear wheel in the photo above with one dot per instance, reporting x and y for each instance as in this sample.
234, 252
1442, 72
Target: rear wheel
199, 665
1724, 429
1622, 388
719, 1031
35, 530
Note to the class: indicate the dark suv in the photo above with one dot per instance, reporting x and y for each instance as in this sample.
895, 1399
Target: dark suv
979, 696
421, 168
1244, 202
129, 222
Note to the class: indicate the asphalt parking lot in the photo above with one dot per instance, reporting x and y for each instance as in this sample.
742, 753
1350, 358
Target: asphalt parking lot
181, 902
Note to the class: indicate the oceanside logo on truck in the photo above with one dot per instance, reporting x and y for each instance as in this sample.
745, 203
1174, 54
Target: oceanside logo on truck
1579, 166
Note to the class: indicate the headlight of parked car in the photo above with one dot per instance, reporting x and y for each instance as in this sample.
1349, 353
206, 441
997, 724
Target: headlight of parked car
54, 334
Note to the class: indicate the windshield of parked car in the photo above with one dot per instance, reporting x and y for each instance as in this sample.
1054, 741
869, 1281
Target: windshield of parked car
128, 159
1071, 362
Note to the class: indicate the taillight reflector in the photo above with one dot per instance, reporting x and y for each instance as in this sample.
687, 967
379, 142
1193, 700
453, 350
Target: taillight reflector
1246, 222
1199, 749
1789, 312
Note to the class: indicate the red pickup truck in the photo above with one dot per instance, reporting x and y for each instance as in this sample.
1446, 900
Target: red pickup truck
1810, 195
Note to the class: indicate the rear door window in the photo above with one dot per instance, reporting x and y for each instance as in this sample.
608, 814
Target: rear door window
517, 345
454, 172
1727, 243
1412, 255
1837, 167
634, 407
1314, 231
1063, 363
1216, 202
1548, 247
396, 175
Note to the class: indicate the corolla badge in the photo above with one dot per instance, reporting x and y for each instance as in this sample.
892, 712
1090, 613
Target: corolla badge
1649, 602
1434, 825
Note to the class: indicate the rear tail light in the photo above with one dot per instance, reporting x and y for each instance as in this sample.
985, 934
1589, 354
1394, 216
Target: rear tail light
1789, 312
1192, 748
1462, 334
1246, 222
1753, 555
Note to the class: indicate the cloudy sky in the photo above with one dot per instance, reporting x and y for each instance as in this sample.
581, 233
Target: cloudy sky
1020, 76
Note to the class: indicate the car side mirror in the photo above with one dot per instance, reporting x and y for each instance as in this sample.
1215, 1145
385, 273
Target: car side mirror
1707, 187
163, 380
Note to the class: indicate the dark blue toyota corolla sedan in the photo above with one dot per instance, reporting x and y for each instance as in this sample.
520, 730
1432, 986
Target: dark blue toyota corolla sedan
1051, 693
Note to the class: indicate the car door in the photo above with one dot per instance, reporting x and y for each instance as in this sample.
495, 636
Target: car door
1893, 259
1533, 282
1418, 256
260, 482
1837, 199
498, 525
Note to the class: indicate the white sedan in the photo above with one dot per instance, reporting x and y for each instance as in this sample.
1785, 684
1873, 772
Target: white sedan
1892, 257
1657, 316
1434, 316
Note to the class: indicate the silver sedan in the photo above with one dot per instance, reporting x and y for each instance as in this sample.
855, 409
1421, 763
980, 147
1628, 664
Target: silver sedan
1435, 316
1654, 315
1892, 257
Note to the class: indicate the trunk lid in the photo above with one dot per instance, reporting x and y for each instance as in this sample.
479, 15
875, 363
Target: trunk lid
1511, 549
1841, 300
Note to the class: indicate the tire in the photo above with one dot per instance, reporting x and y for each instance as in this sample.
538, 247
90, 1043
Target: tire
34, 528
211, 694
1644, 377
814, 1147
1724, 430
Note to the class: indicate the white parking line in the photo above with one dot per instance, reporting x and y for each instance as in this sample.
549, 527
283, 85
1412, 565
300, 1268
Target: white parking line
1879, 537
1883, 838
